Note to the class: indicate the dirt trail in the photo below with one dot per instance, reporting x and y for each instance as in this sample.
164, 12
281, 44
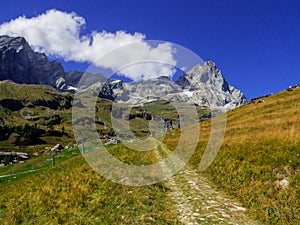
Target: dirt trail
197, 202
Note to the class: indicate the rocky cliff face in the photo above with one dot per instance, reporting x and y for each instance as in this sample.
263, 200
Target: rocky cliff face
19, 63
207, 82
202, 85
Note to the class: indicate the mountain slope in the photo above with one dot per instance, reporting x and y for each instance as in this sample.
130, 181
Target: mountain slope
259, 161
38, 106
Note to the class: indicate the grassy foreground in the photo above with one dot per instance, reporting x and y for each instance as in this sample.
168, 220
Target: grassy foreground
72, 193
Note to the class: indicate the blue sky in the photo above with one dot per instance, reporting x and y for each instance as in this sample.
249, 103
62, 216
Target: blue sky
254, 43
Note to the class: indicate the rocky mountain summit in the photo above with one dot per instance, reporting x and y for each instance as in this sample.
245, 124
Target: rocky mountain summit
203, 85
19, 63
208, 84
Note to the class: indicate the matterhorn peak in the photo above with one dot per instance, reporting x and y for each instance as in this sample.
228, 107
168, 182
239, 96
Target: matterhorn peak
208, 80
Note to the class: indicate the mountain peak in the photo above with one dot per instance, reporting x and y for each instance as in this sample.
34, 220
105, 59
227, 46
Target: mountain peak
17, 43
203, 85
7, 39
210, 64
18, 62
208, 79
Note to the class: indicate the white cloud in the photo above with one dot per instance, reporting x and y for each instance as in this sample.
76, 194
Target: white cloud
57, 33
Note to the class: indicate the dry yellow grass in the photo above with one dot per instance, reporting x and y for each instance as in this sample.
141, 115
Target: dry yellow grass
261, 148
72, 193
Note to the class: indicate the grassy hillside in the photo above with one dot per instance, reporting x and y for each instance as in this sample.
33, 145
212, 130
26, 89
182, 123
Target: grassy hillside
259, 163
38, 107
72, 193
259, 155
49, 112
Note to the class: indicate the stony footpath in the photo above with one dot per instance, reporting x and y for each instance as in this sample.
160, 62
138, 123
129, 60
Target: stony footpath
197, 202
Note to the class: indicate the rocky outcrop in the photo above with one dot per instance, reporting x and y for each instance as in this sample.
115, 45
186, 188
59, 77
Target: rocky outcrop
73, 77
19, 63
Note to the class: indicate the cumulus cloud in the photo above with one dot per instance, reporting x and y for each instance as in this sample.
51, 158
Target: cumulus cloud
58, 33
